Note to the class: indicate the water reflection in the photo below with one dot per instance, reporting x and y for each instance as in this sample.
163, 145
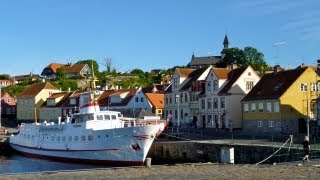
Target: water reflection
17, 163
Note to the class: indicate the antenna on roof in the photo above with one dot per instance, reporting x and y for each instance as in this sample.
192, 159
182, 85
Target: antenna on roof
276, 45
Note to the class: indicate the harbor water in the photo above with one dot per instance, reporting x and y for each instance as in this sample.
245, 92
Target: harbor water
17, 163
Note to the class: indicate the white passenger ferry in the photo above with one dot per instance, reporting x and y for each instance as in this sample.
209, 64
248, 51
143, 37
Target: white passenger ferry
89, 136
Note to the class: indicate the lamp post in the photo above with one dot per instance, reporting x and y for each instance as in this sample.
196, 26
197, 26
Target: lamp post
177, 99
0, 104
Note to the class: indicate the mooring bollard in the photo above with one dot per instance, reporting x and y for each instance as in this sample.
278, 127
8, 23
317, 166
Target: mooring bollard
148, 162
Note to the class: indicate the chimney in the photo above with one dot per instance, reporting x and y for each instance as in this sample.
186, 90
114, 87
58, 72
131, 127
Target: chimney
276, 69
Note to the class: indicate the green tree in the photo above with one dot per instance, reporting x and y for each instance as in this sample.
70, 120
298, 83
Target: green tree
254, 58
15, 90
61, 74
137, 72
248, 56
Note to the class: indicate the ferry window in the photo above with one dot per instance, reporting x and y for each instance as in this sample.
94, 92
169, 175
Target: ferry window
69, 138
113, 117
80, 119
75, 138
90, 117
52, 138
99, 117
63, 138
58, 138
28, 136
74, 119
83, 138
90, 138
107, 117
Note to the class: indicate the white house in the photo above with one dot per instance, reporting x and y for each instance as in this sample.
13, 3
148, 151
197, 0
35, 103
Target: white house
220, 106
181, 103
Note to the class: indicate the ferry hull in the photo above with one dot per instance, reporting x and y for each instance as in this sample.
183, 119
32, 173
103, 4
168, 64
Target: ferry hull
114, 147
40, 155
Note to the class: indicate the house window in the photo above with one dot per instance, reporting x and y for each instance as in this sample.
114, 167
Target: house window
303, 87
176, 114
271, 123
249, 85
209, 86
137, 99
159, 111
276, 107
215, 103
72, 101
314, 87
203, 104
268, 108
222, 102
245, 107
175, 82
185, 98
260, 107
167, 100
209, 103
141, 99
260, 124
170, 100
253, 107
181, 97
215, 85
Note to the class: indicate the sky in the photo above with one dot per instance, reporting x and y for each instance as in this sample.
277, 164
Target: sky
153, 34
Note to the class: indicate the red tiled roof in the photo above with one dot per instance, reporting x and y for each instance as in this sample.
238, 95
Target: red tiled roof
104, 97
184, 72
194, 75
232, 78
157, 100
75, 68
273, 85
34, 89
55, 66
221, 73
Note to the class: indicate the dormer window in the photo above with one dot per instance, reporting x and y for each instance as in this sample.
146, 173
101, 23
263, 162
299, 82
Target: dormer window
215, 85
51, 102
175, 82
72, 101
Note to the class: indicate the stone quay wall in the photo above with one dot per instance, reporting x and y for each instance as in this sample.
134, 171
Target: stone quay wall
197, 151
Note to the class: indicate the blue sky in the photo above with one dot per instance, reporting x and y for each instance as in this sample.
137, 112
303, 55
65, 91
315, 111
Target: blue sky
152, 34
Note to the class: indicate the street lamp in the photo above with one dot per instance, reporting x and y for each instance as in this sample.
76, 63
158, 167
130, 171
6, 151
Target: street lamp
177, 99
0, 104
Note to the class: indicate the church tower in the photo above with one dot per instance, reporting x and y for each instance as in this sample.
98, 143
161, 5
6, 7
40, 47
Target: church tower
225, 46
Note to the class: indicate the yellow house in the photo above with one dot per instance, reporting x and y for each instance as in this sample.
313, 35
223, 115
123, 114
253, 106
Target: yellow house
29, 102
52, 109
281, 102
157, 102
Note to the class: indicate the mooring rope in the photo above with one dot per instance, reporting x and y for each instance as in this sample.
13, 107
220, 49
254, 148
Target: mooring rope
276, 151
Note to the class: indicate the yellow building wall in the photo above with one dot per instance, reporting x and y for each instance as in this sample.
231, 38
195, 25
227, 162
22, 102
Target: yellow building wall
294, 103
261, 115
29, 108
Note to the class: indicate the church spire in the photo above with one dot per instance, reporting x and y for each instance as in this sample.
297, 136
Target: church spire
225, 42
225, 46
